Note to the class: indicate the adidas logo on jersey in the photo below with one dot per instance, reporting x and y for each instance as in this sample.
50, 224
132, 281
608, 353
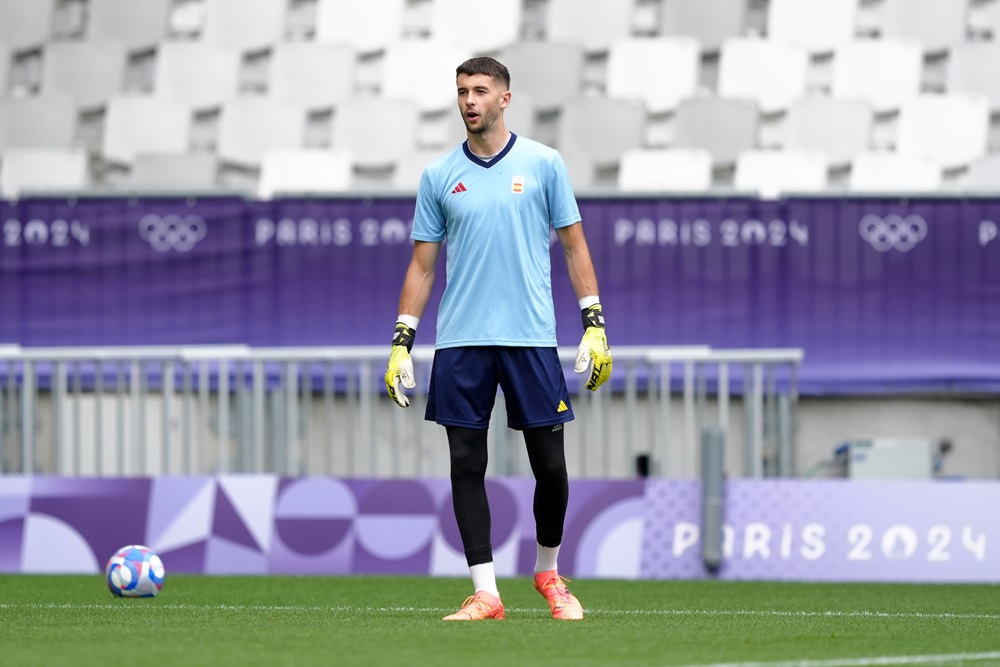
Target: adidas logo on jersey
458, 188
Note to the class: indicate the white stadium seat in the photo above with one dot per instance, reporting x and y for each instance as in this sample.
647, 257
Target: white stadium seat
304, 170
145, 124
24, 170
984, 174
89, 72
245, 25
840, 128
174, 172
936, 24
251, 127
891, 172
37, 122
723, 127
974, 67
498, 24
376, 131
885, 71
817, 25
317, 75
658, 71
26, 24
202, 75
601, 128
773, 73
951, 130
137, 25
708, 21
773, 172
665, 169
549, 86
368, 26
595, 24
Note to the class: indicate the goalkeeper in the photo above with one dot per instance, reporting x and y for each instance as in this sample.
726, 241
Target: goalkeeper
495, 198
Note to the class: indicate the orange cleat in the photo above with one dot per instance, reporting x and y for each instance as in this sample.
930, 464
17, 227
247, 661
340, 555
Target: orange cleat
478, 607
563, 604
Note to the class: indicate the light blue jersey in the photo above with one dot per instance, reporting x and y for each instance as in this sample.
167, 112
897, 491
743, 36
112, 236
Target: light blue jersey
496, 217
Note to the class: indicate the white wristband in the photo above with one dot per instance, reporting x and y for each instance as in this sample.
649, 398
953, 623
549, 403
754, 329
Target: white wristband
409, 320
588, 301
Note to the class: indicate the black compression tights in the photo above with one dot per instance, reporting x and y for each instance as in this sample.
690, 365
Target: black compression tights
468, 471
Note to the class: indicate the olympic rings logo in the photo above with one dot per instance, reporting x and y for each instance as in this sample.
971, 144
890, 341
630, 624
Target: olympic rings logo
172, 232
893, 232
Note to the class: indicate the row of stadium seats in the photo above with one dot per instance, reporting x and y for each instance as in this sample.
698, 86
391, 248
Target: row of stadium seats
950, 131
768, 173
656, 71
818, 25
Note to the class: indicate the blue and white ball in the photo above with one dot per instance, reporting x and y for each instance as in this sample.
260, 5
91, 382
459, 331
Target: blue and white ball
135, 571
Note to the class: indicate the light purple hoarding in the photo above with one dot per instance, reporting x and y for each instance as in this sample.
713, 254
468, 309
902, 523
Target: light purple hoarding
829, 530
808, 530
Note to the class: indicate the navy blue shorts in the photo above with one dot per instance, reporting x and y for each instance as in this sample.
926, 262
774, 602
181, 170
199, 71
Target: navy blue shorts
464, 383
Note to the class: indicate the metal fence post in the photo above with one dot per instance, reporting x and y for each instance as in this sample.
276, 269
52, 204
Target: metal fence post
166, 396
28, 417
713, 452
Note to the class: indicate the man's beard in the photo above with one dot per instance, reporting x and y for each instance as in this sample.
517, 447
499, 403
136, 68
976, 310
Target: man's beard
488, 121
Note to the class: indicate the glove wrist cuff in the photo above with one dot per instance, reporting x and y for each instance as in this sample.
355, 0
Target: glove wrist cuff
592, 317
403, 335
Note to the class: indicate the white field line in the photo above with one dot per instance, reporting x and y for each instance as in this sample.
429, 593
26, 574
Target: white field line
943, 660
597, 612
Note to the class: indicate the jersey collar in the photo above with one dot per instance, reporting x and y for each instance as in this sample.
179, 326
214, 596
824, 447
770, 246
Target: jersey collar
486, 165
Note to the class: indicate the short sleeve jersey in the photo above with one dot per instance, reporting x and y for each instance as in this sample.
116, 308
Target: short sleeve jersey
496, 219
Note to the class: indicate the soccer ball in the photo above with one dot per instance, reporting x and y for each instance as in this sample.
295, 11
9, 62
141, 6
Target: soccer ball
135, 571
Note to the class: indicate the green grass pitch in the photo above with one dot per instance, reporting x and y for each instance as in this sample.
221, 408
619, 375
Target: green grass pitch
369, 620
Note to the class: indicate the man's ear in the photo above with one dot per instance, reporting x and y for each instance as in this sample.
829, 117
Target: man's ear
505, 99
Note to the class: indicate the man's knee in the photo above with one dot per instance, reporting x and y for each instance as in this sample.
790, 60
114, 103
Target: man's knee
469, 455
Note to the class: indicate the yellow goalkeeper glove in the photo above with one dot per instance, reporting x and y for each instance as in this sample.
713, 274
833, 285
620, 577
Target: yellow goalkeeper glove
400, 370
593, 356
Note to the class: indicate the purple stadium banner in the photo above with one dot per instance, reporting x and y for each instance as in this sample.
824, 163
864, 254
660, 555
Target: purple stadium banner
881, 293
802, 530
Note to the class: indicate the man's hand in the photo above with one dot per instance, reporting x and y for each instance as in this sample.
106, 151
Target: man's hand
593, 355
400, 370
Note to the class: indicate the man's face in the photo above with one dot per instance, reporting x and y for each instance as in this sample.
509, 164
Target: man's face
480, 100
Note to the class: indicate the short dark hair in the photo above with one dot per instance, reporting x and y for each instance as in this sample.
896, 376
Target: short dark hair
488, 66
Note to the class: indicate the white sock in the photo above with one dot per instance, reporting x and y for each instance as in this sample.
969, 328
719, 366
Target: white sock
546, 559
484, 578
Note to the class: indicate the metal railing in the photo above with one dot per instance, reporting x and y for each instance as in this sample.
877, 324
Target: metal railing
136, 411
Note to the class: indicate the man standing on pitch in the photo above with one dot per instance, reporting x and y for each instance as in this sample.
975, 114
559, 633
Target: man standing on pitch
495, 198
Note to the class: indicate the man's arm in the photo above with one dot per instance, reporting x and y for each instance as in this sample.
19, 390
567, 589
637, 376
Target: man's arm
581, 267
416, 292
593, 355
419, 278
